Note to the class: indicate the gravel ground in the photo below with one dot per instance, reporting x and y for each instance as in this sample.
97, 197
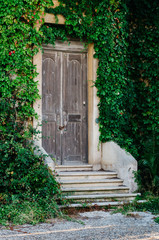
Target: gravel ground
97, 225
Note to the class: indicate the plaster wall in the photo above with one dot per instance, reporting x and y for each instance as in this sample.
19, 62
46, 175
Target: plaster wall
116, 158
94, 150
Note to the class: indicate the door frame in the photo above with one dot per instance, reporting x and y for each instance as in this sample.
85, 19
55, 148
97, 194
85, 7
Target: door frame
94, 149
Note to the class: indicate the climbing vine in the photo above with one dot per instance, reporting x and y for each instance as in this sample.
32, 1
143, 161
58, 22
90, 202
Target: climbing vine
143, 70
125, 41
105, 23
19, 43
23, 175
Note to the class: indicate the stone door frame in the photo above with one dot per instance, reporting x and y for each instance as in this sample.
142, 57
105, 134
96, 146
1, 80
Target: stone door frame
94, 154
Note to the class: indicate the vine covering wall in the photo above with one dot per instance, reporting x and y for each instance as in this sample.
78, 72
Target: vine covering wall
19, 43
143, 68
125, 38
105, 24
23, 175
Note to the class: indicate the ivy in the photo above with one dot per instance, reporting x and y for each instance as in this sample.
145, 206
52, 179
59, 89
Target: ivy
20, 41
23, 175
125, 36
143, 65
105, 23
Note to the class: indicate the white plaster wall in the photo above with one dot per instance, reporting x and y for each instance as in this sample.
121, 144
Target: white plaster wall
94, 148
115, 158
94, 154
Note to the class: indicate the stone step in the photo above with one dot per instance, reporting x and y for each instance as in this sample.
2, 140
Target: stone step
90, 182
92, 204
68, 168
102, 197
81, 185
86, 175
94, 190
99, 204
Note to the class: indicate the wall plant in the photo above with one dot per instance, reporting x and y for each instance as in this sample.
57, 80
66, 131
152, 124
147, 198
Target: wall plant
105, 23
125, 37
23, 175
143, 69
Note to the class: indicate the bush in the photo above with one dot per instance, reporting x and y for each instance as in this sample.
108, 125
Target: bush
29, 192
31, 212
23, 172
148, 175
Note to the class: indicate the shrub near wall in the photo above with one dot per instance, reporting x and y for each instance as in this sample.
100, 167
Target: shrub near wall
144, 70
23, 176
127, 76
143, 66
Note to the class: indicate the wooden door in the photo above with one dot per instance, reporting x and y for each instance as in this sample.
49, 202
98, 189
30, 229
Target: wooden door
64, 108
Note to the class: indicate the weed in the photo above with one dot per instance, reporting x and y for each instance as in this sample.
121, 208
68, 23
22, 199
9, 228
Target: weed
22, 212
151, 205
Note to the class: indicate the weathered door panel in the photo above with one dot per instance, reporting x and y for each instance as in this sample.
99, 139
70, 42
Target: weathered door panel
74, 142
51, 103
64, 97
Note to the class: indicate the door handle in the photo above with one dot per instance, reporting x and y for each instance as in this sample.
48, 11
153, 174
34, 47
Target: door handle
61, 127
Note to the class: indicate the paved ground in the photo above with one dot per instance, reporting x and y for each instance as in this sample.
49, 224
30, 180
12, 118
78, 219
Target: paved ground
98, 225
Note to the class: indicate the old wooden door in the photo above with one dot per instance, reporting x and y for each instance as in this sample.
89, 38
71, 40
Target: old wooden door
64, 102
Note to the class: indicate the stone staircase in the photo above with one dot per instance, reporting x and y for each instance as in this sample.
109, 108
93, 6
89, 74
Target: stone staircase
81, 185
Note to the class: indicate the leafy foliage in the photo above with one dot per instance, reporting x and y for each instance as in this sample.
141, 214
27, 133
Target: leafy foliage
31, 212
23, 175
151, 205
20, 40
148, 175
125, 36
125, 41
143, 66
84, 20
